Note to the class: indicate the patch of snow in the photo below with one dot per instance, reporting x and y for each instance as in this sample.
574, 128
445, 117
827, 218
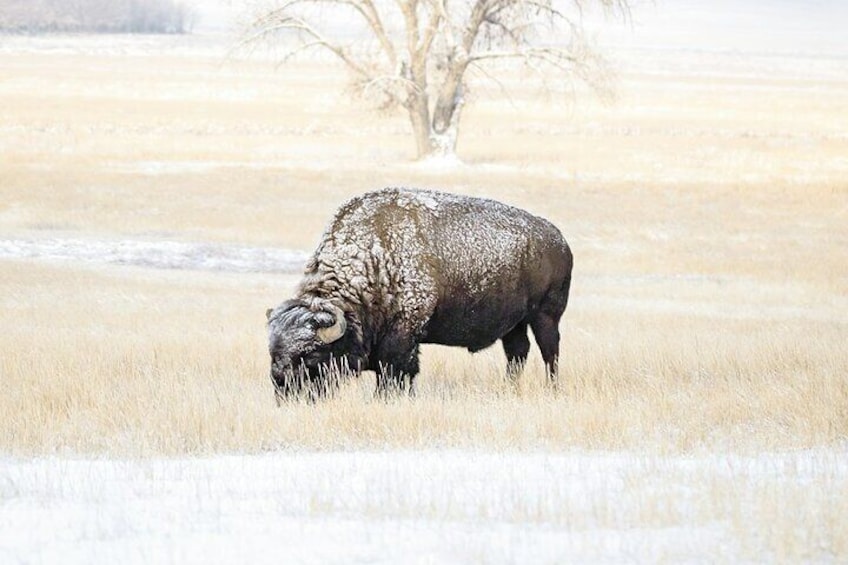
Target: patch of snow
157, 254
440, 163
419, 506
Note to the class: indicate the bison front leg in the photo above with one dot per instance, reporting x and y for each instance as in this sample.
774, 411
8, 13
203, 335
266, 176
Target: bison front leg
516, 346
392, 382
396, 371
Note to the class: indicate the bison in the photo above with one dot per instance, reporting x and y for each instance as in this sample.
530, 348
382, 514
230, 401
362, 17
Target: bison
399, 267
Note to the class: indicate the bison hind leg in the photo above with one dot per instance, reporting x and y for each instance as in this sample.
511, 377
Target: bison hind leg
546, 330
545, 325
516, 345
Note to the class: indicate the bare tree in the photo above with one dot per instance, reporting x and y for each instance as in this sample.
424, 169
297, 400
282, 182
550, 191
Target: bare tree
420, 51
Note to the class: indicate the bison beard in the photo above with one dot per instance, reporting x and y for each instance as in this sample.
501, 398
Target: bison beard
400, 267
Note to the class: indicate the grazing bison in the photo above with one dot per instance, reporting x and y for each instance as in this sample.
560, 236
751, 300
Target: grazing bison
400, 267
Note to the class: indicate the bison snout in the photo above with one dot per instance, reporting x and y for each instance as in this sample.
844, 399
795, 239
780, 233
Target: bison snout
290, 382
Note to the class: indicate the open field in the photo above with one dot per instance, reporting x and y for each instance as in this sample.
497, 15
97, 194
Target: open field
705, 346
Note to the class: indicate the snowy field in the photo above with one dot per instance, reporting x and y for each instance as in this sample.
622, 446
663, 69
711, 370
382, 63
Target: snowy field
430, 506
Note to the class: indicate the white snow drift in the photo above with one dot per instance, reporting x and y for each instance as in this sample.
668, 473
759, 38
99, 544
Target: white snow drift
156, 254
424, 507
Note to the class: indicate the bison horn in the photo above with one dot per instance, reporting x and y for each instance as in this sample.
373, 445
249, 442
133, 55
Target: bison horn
337, 330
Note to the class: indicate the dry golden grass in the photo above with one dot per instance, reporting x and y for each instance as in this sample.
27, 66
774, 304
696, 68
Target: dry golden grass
708, 223
132, 361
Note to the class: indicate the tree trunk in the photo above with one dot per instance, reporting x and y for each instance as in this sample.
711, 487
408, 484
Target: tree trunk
446, 116
436, 137
419, 117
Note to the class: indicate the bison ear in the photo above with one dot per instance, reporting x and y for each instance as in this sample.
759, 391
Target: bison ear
268, 314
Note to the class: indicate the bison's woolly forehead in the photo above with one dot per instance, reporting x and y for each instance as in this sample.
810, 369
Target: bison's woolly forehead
297, 327
290, 332
289, 326
291, 323
289, 317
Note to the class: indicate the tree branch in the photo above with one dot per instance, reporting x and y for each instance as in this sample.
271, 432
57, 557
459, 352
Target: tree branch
389, 78
554, 56
366, 8
475, 20
500, 84
296, 24
372, 16
436, 16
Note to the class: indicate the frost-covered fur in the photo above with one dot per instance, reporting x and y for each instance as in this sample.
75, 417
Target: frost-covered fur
414, 266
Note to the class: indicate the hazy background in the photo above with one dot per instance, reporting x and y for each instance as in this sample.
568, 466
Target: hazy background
775, 26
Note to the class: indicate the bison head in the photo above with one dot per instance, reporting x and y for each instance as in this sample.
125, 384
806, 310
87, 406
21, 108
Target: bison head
309, 347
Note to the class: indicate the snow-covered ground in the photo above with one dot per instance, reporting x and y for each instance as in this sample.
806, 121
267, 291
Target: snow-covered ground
156, 254
422, 507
